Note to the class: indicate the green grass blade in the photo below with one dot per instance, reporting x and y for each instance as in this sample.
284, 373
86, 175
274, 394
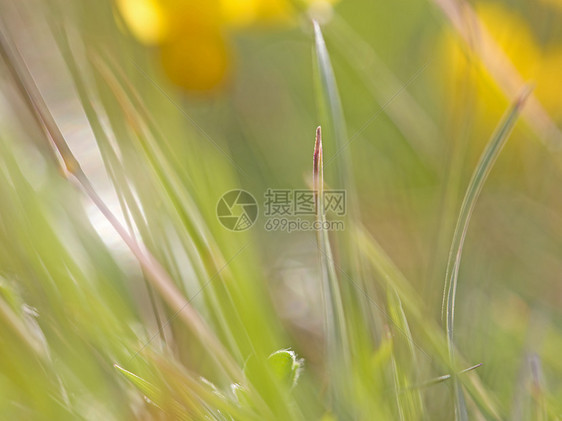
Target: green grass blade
156, 396
335, 317
331, 110
479, 176
334, 127
152, 392
404, 364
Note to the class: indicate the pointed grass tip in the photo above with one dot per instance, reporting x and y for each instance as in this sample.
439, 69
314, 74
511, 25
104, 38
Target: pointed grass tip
524, 94
316, 26
317, 156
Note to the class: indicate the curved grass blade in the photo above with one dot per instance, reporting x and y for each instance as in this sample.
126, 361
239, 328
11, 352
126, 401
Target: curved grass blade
479, 176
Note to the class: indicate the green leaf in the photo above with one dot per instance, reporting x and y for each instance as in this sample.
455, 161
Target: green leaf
286, 366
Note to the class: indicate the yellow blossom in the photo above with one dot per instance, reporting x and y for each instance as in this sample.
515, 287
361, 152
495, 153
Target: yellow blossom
240, 13
146, 19
196, 60
192, 35
537, 63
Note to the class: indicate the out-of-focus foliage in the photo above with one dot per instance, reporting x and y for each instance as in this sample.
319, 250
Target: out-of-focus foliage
173, 316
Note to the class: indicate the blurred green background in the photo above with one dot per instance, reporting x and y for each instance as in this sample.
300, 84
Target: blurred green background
423, 84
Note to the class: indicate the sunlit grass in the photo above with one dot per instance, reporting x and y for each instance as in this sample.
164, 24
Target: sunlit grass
123, 297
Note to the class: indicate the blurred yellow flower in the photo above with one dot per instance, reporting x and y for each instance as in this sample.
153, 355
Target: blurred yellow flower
198, 59
192, 34
145, 18
239, 13
540, 64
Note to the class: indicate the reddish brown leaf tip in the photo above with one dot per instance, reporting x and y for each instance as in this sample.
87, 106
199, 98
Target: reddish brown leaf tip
317, 157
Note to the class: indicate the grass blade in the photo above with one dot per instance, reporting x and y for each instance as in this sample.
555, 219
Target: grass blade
335, 316
157, 397
479, 176
404, 364
71, 169
331, 110
350, 260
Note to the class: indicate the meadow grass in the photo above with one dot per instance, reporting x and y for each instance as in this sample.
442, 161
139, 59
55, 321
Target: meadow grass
123, 297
